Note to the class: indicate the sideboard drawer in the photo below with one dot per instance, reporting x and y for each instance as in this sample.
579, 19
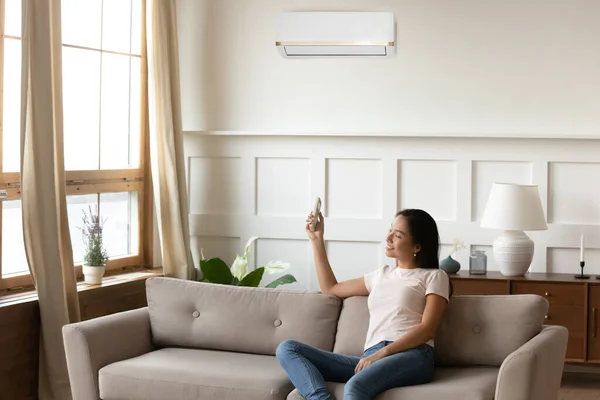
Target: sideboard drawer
566, 294
572, 318
479, 287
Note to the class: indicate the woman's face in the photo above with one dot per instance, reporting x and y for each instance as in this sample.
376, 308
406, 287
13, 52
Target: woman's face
399, 244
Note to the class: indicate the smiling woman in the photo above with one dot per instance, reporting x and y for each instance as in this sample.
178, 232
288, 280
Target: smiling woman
406, 304
105, 131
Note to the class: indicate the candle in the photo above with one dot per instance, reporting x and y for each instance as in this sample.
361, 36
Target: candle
582, 249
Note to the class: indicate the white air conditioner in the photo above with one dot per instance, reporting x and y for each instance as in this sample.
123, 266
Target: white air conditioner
336, 34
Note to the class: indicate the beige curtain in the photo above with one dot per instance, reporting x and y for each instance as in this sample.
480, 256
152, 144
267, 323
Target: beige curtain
45, 224
166, 141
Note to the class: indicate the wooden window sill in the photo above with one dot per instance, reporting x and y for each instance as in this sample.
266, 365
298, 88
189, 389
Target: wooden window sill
108, 281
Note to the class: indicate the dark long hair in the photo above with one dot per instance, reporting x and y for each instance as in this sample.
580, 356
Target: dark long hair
424, 232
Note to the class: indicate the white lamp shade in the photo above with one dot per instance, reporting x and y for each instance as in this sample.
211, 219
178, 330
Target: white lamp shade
514, 207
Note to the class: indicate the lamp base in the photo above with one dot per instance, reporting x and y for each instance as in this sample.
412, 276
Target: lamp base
513, 252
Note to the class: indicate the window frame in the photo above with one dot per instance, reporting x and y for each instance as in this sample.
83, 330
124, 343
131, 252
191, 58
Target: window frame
95, 181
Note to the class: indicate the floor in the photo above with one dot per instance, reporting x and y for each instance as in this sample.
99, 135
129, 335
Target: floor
580, 387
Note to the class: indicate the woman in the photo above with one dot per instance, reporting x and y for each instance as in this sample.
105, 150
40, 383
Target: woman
406, 304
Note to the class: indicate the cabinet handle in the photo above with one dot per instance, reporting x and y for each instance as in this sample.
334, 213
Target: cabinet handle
546, 317
594, 322
547, 294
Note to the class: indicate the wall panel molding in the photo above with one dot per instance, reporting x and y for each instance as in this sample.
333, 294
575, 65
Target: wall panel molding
450, 177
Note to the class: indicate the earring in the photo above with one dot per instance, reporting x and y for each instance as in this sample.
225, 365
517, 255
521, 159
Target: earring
414, 254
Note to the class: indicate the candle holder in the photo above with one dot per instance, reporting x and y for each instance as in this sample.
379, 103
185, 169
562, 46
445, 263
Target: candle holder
582, 276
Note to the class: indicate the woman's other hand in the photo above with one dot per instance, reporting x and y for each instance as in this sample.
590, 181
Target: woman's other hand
367, 361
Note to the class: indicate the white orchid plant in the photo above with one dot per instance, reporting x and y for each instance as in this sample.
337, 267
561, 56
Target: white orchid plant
457, 245
215, 270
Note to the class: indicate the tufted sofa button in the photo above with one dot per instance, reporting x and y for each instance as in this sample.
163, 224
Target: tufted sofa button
476, 330
195, 314
277, 322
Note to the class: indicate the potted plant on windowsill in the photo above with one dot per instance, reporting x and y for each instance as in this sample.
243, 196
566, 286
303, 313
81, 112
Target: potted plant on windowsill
95, 256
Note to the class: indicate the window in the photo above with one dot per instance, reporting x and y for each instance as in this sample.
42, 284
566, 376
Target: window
102, 100
104, 130
13, 263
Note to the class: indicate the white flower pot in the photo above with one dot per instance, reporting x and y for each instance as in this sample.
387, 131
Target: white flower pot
92, 274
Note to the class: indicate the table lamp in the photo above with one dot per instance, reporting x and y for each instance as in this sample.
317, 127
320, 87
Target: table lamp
514, 208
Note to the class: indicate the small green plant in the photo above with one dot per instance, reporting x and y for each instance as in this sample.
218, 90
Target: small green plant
215, 270
95, 253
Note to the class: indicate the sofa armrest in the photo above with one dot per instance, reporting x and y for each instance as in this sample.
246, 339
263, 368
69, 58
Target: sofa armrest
93, 344
534, 371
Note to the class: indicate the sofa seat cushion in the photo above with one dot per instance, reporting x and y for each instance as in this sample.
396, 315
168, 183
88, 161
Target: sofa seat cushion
467, 383
190, 374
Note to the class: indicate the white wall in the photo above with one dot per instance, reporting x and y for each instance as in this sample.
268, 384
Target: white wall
466, 67
243, 186
485, 77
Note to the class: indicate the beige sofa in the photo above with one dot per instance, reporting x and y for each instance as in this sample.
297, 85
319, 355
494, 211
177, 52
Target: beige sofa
204, 341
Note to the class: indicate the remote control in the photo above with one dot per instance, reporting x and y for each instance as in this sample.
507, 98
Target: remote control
316, 212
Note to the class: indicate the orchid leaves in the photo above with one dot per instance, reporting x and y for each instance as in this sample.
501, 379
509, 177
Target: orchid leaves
216, 270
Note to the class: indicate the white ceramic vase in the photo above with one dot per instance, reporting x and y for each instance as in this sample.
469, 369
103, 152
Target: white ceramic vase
92, 274
513, 253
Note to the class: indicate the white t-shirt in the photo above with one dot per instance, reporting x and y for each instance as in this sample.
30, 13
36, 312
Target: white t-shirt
397, 300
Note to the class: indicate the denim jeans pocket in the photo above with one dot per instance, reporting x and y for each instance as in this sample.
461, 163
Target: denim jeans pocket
427, 352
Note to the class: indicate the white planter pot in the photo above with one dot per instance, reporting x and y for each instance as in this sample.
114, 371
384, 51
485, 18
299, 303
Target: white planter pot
93, 275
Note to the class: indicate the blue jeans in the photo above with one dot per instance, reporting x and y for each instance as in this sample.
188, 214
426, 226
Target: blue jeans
310, 368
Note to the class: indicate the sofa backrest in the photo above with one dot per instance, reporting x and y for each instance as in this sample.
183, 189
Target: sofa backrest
476, 330
484, 330
352, 327
251, 320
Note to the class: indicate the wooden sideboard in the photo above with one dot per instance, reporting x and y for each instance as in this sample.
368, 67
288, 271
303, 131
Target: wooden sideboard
574, 303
